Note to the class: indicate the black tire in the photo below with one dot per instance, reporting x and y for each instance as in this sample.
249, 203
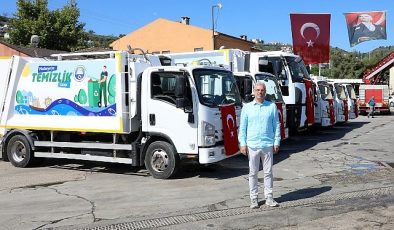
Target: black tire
162, 160
19, 151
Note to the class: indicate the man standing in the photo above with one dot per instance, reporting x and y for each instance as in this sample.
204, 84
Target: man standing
103, 86
259, 138
371, 104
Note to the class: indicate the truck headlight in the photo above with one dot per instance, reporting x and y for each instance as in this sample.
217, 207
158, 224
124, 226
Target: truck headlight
208, 134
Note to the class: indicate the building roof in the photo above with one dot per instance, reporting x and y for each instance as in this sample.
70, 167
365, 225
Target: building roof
165, 24
32, 52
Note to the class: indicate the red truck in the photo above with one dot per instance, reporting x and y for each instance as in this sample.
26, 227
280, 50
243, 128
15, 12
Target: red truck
381, 96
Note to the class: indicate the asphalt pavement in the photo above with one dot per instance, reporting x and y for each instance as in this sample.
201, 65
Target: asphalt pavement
333, 178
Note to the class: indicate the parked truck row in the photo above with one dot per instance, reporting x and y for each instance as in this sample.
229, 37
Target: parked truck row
155, 111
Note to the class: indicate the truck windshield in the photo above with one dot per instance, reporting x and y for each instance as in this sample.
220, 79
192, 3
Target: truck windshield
351, 91
332, 91
325, 91
273, 92
297, 69
341, 94
275, 65
216, 87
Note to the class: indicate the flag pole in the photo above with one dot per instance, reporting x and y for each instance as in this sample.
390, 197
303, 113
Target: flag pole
319, 69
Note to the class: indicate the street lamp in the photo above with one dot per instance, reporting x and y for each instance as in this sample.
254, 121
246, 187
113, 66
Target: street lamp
219, 6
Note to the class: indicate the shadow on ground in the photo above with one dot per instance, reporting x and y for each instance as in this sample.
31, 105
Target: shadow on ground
229, 168
303, 194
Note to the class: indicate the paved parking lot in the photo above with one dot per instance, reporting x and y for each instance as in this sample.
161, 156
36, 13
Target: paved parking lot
339, 177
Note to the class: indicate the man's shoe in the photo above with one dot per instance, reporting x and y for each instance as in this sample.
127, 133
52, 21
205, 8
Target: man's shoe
271, 202
254, 203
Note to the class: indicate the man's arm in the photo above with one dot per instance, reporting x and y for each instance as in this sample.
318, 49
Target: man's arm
276, 126
242, 131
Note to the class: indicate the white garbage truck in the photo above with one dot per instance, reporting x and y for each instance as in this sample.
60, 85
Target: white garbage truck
324, 102
116, 107
236, 61
295, 82
340, 102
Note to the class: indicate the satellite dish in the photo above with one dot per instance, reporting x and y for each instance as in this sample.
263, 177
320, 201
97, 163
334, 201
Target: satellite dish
34, 40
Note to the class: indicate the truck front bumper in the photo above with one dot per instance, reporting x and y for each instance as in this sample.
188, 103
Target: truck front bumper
341, 118
326, 122
352, 115
212, 155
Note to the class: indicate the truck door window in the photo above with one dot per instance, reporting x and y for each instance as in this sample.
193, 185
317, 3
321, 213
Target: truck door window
273, 92
351, 91
163, 86
298, 70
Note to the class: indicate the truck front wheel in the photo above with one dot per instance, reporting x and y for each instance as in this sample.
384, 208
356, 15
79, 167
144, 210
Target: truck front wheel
162, 160
19, 151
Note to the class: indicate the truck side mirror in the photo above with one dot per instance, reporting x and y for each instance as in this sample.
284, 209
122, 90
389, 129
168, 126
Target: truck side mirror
248, 85
180, 86
308, 68
249, 98
182, 101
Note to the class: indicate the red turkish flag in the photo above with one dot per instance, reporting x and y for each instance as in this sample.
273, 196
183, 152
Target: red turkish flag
345, 110
311, 37
332, 110
310, 104
229, 123
355, 107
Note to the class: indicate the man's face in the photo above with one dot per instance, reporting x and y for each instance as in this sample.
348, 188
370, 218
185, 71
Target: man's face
259, 92
364, 18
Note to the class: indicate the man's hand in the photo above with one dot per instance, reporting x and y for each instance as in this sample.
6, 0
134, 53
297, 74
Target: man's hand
244, 150
276, 149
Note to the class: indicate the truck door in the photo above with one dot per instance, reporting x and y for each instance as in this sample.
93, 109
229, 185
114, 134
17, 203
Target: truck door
164, 118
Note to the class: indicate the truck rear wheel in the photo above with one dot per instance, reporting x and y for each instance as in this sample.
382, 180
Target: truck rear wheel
19, 151
162, 160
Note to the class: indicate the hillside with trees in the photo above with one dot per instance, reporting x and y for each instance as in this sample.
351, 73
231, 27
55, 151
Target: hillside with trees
343, 64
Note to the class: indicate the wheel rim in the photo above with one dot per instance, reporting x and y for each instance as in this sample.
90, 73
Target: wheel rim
159, 160
18, 151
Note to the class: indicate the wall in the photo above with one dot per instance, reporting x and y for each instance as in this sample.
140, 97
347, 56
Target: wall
6, 51
231, 43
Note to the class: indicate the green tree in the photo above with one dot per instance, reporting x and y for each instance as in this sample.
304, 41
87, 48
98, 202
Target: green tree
58, 29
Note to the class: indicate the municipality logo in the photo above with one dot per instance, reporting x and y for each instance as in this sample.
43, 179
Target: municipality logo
79, 73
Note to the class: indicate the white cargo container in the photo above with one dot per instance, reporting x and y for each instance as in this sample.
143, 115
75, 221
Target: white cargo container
142, 113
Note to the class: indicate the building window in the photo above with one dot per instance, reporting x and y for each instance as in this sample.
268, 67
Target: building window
165, 52
198, 49
155, 52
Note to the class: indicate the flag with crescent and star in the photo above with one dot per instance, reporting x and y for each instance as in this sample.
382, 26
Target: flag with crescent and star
229, 123
366, 26
311, 37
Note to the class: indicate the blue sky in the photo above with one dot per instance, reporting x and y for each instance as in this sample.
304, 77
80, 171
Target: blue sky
264, 19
